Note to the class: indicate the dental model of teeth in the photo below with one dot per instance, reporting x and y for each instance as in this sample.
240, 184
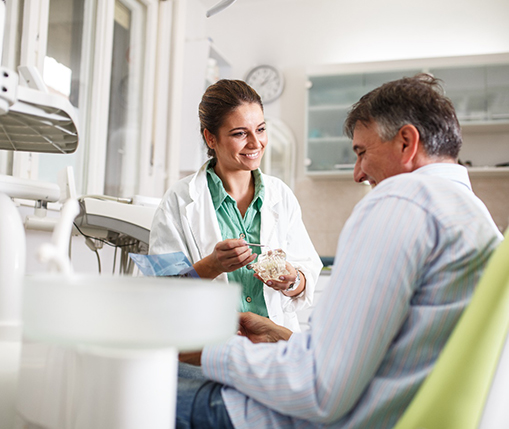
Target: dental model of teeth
270, 265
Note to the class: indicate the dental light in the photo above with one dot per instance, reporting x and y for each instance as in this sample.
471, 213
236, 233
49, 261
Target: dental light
223, 4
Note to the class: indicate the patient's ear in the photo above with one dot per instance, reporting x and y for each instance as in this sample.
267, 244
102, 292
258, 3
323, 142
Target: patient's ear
409, 138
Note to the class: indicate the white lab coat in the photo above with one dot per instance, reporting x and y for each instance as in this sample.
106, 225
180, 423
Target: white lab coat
186, 221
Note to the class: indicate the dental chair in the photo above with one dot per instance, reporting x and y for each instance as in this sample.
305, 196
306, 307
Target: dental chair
469, 385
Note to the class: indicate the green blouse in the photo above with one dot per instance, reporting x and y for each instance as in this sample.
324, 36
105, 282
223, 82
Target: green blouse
232, 225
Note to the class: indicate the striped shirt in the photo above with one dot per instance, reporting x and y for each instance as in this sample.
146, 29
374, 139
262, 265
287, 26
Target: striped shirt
406, 265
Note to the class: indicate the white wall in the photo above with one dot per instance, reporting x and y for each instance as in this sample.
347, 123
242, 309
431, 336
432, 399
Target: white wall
196, 21
295, 34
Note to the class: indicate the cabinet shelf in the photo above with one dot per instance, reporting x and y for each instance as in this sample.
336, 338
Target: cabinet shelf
483, 127
488, 171
329, 174
333, 139
328, 107
477, 86
474, 172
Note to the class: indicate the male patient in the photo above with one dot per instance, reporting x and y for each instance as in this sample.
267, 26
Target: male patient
407, 262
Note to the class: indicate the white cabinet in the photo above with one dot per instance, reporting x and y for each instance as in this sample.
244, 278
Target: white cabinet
329, 100
203, 65
477, 85
480, 93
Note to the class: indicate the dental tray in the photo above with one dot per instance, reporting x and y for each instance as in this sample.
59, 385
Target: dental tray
39, 122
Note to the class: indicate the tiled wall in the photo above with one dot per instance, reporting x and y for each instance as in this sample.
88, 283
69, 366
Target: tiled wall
494, 191
327, 204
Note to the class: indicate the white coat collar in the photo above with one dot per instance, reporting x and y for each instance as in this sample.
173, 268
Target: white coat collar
205, 228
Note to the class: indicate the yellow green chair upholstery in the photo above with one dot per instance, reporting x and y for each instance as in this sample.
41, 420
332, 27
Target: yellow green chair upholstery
462, 391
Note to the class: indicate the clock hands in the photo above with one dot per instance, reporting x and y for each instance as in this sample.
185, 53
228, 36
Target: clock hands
267, 80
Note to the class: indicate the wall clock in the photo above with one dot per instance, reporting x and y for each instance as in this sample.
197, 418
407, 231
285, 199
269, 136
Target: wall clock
267, 81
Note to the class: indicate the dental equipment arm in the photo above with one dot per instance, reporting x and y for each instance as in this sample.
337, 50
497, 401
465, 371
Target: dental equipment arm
223, 4
56, 252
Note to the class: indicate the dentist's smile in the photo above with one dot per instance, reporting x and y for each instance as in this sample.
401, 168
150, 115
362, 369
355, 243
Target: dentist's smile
254, 155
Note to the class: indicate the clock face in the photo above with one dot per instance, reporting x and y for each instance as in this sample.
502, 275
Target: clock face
267, 81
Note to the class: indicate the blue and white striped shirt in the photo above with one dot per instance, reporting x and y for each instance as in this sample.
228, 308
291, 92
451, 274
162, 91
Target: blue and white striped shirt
406, 265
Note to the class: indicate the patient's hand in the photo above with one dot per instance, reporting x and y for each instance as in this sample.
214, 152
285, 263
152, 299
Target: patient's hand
260, 329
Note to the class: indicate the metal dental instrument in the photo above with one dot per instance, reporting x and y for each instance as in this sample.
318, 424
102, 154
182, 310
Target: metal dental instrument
256, 245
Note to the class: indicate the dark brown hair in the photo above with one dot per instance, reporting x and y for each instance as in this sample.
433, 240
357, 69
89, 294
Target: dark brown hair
219, 100
419, 101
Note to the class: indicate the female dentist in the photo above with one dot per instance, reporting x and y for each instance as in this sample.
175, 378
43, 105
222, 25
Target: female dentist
215, 214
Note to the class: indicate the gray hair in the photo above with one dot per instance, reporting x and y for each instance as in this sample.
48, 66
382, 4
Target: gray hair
419, 101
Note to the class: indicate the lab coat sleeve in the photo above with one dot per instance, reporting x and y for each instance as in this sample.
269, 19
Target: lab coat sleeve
167, 234
186, 221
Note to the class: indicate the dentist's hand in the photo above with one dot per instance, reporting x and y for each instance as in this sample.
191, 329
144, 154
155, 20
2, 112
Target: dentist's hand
228, 255
285, 281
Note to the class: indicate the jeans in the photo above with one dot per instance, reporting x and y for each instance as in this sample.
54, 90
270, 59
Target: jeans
199, 401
